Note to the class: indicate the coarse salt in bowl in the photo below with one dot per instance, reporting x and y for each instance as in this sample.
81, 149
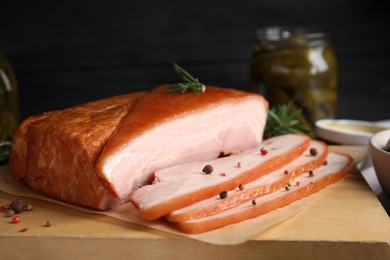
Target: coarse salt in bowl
381, 158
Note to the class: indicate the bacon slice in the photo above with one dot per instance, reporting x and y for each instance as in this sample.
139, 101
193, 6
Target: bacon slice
338, 166
162, 130
183, 185
268, 183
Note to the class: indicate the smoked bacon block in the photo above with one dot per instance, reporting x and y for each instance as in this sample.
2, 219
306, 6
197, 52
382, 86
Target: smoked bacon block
338, 166
163, 130
97, 154
185, 184
55, 152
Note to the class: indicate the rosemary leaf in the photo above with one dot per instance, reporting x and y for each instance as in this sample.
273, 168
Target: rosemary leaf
187, 77
281, 120
190, 82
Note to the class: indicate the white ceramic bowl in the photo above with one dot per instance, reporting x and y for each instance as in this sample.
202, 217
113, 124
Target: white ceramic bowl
345, 131
381, 158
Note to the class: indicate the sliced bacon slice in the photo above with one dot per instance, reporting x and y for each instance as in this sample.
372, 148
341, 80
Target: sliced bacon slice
268, 183
183, 185
338, 166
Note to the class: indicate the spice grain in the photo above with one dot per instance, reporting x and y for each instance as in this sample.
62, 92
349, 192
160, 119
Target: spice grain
263, 151
208, 169
9, 213
16, 219
17, 205
223, 194
313, 151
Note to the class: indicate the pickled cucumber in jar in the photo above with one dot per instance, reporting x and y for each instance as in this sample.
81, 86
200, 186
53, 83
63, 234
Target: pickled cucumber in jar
9, 106
295, 64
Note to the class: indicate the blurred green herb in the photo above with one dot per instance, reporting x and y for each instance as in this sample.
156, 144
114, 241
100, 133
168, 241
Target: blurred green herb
190, 82
5, 151
283, 120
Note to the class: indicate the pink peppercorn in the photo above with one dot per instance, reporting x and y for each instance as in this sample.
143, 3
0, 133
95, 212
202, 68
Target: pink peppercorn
16, 219
263, 151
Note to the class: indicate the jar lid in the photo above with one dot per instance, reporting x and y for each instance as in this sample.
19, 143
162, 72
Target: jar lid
293, 35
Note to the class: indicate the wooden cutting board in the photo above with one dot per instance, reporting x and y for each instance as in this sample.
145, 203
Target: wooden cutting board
346, 222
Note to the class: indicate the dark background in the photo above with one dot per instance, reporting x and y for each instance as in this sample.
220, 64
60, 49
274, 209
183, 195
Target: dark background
65, 53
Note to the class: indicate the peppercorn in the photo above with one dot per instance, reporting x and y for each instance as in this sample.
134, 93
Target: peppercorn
286, 172
9, 213
313, 151
287, 187
254, 202
3, 208
241, 186
325, 162
48, 223
27, 207
16, 219
17, 205
311, 173
208, 169
239, 164
263, 151
223, 194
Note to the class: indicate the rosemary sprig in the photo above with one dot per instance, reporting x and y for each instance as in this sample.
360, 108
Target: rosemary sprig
282, 120
190, 83
5, 151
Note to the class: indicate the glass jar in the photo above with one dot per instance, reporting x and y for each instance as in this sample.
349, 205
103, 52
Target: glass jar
9, 105
291, 64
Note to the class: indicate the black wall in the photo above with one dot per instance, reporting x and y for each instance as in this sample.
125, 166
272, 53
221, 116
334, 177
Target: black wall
65, 53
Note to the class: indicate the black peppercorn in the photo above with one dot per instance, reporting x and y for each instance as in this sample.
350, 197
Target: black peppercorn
325, 162
17, 205
313, 151
223, 194
208, 169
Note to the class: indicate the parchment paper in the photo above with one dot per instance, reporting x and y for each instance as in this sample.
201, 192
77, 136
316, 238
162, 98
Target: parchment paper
229, 235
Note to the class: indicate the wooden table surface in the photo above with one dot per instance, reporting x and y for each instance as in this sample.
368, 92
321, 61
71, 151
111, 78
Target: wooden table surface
346, 222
